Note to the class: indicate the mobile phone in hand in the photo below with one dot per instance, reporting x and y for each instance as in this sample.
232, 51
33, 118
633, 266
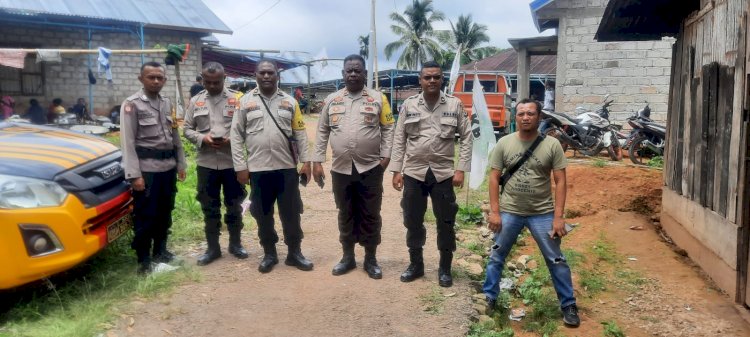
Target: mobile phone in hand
321, 182
568, 228
303, 180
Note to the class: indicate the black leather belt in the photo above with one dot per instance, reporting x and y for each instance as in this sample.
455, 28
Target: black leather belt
146, 153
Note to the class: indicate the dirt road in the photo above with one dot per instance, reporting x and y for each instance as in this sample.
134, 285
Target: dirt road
234, 299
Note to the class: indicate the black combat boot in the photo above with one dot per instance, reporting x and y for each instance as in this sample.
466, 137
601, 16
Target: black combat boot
347, 262
371, 263
161, 254
144, 262
416, 266
235, 244
270, 258
445, 279
213, 251
295, 258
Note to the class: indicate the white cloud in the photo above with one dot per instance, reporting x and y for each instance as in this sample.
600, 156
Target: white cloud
303, 25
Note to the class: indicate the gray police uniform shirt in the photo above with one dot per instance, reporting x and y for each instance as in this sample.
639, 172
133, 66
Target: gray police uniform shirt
149, 124
257, 144
212, 115
424, 138
360, 128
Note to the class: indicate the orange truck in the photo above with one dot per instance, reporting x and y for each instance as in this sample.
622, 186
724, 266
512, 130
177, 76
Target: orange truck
496, 94
63, 198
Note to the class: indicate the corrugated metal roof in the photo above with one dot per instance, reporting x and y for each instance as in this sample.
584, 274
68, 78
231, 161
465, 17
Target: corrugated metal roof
507, 61
535, 6
186, 15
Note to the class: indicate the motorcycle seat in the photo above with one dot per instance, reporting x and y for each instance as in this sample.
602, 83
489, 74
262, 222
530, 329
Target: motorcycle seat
562, 115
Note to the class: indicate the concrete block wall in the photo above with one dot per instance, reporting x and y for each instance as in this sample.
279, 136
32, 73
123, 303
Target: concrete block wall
69, 79
632, 73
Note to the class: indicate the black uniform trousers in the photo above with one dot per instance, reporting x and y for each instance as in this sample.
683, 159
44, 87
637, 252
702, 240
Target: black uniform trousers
359, 197
152, 213
444, 206
281, 187
210, 184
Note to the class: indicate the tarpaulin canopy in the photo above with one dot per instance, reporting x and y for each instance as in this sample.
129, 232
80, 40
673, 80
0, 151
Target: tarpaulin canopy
242, 64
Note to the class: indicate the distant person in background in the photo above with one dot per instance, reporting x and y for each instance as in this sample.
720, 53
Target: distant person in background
7, 104
197, 87
549, 95
81, 111
549, 103
55, 110
35, 113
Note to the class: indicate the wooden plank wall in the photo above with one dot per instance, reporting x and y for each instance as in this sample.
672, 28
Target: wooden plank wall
701, 160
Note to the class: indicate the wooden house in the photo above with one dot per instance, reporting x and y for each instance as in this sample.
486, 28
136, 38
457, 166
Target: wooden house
705, 200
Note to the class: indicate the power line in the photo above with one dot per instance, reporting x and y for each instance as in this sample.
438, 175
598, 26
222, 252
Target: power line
259, 15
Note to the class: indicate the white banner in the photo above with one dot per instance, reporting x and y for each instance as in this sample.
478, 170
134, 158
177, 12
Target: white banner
484, 136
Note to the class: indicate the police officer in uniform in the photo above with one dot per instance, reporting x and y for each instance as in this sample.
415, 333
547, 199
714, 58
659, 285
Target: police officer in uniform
207, 122
153, 158
422, 163
359, 123
262, 156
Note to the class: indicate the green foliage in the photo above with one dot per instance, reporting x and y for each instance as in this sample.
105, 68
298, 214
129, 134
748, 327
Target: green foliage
598, 162
604, 250
72, 305
480, 330
611, 329
433, 300
416, 37
475, 248
593, 281
656, 162
469, 216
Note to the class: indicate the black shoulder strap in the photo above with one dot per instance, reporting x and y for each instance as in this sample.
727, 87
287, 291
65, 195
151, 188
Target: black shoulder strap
272, 118
509, 173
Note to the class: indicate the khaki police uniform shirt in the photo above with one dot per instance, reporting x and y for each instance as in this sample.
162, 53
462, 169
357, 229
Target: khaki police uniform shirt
142, 124
360, 127
257, 144
424, 138
212, 115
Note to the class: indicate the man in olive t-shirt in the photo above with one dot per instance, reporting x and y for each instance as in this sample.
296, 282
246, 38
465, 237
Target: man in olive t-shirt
526, 201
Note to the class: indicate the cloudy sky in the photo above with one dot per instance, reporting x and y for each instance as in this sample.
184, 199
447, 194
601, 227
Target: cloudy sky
307, 25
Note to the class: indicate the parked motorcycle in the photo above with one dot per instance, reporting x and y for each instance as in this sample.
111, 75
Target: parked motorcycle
588, 133
646, 138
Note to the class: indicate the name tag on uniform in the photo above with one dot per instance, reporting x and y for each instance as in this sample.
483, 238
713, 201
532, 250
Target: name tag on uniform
252, 106
145, 114
450, 114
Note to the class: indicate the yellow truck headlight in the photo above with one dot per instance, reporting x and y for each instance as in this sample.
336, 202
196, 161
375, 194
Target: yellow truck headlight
23, 193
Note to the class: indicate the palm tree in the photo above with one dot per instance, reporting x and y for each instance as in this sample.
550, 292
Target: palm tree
417, 38
364, 45
469, 35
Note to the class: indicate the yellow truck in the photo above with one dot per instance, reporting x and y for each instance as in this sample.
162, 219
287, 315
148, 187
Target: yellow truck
63, 198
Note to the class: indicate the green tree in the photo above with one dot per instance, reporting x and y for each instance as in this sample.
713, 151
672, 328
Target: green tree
470, 35
417, 38
364, 45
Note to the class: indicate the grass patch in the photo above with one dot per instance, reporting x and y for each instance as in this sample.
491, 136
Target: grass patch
469, 216
611, 329
74, 305
481, 330
592, 281
598, 162
656, 162
475, 248
604, 250
433, 301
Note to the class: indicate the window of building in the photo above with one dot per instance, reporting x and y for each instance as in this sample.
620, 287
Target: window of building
28, 81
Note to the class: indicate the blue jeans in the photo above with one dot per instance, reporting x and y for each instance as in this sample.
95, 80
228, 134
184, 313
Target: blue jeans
538, 225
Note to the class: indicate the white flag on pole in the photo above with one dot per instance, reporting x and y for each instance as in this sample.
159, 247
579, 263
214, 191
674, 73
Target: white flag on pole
454, 72
484, 136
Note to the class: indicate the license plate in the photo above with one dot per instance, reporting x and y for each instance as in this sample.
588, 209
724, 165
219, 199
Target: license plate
119, 227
